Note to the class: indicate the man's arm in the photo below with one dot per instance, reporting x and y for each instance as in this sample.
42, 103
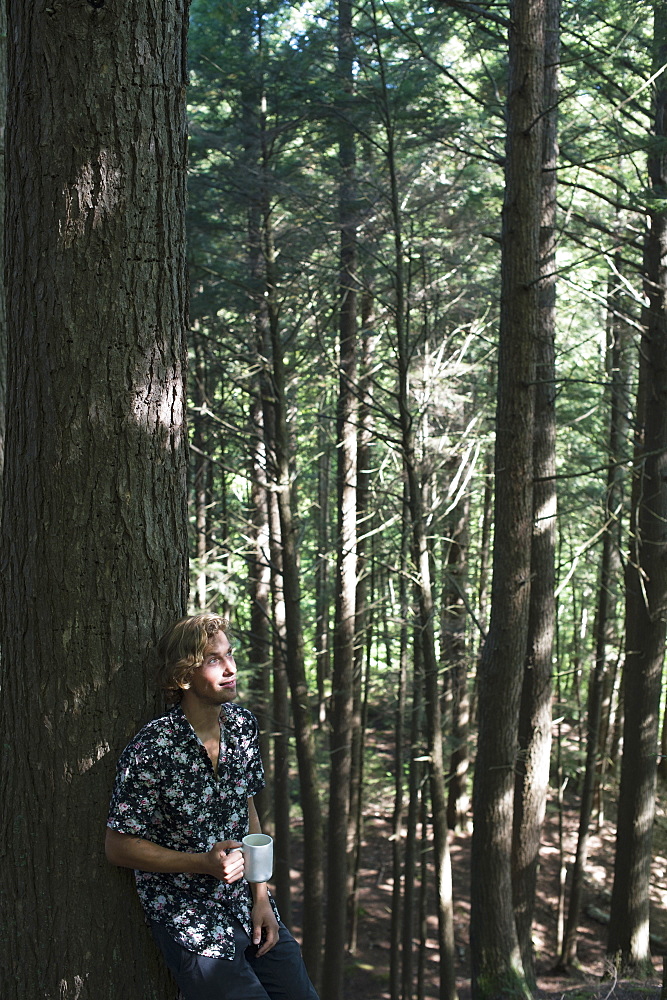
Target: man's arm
263, 917
128, 851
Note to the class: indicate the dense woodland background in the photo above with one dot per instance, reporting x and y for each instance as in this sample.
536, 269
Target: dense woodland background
427, 414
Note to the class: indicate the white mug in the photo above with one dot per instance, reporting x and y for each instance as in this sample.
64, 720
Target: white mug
258, 851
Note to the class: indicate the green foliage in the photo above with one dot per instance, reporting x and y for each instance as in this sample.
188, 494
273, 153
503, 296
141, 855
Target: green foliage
266, 112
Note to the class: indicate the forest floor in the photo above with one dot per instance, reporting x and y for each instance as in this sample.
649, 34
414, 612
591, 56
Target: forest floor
367, 975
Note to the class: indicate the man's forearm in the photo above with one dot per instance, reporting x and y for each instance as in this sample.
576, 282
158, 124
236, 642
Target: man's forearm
135, 852
224, 861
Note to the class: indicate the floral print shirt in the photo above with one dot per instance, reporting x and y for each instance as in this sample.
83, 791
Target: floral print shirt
166, 791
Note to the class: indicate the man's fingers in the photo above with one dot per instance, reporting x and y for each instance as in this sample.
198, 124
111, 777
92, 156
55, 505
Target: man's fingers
271, 940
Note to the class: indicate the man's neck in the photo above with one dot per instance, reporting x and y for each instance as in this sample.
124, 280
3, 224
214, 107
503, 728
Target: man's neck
204, 719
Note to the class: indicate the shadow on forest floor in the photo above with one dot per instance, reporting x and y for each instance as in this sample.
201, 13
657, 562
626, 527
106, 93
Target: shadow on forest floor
368, 970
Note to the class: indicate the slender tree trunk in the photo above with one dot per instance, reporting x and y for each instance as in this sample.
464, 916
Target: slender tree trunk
497, 967
596, 738
363, 622
397, 823
646, 575
201, 464
322, 588
415, 785
342, 695
532, 769
300, 697
259, 592
619, 342
485, 543
281, 724
454, 651
265, 587
275, 407
94, 534
420, 559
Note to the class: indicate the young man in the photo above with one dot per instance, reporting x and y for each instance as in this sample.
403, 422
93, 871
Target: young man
182, 802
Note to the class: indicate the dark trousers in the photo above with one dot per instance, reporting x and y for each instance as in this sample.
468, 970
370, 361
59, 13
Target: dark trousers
278, 975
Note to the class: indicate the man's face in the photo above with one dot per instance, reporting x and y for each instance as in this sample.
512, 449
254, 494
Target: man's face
214, 683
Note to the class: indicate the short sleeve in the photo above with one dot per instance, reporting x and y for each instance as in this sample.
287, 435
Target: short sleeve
255, 768
134, 795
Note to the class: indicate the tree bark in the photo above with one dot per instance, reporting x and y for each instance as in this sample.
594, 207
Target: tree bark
599, 681
342, 694
281, 725
95, 521
201, 473
497, 967
453, 645
646, 575
532, 770
322, 585
260, 575
364, 641
3, 315
411, 868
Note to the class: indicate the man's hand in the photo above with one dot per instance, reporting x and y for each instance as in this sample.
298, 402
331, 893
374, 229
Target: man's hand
264, 926
225, 862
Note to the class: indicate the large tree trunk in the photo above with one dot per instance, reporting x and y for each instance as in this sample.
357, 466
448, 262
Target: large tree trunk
646, 576
3, 317
496, 959
94, 529
532, 772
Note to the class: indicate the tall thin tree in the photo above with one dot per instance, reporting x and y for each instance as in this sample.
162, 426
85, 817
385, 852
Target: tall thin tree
497, 967
646, 571
342, 695
532, 775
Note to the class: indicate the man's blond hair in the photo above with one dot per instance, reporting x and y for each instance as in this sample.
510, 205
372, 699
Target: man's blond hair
181, 649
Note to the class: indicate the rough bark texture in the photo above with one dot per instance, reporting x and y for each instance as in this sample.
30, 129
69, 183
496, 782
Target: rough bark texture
496, 960
646, 576
532, 772
3, 318
94, 530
